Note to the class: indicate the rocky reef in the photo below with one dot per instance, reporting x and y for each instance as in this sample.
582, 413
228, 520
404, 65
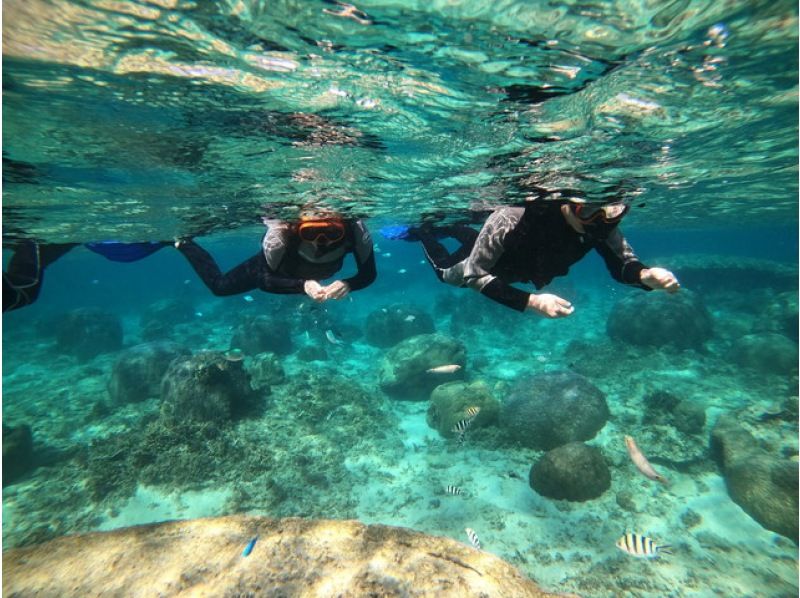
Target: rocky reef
291, 557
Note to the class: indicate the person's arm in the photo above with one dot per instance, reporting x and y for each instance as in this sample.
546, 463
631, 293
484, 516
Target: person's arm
621, 261
365, 259
488, 248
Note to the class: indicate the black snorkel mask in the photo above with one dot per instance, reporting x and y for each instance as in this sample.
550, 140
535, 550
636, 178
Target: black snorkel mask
599, 220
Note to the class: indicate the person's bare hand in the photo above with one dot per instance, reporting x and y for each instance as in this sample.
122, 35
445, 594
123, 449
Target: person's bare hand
314, 290
550, 306
660, 278
338, 289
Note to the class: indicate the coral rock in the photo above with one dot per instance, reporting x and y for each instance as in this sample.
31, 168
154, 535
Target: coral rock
389, 325
552, 409
291, 557
136, 374
404, 371
574, 472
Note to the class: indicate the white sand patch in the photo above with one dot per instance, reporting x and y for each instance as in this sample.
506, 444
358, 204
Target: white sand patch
150, 505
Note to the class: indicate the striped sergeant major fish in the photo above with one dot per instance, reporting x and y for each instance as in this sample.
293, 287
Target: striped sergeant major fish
473, 538
463, 425
454, 490
641, 546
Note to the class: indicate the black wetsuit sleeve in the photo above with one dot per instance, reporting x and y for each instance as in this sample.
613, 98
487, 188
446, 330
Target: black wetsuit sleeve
272, 282
366, 274
621, 261
244, 277
505, 294
365, 258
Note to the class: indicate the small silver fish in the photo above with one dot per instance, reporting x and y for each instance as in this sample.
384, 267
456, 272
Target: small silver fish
454, 490
249, 298
329, 334
444, 369
641, 546
641, 462
473, 537
402, 271
409, 318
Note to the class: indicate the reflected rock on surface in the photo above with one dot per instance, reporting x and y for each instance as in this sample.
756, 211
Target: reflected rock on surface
291, 557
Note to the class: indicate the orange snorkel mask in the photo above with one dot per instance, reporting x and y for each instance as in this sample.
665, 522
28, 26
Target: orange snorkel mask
321, 232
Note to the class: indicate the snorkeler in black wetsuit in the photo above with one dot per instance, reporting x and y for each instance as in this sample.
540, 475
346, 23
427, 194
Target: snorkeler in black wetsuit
294, 257
25, 276
535, 244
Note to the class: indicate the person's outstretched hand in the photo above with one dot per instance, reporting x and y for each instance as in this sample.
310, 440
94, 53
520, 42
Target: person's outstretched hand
550, 306
338, 289
660, 278
314, 290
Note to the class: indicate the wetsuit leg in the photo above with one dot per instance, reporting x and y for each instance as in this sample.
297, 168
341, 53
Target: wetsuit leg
244, 277
23, 281
437, 254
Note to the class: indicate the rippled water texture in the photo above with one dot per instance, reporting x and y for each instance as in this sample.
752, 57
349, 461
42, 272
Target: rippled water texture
169, 117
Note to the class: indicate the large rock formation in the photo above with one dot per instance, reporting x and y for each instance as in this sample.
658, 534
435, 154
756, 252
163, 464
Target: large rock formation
206, 387
291, 557
554, 408
405, 374
449, 404
766, 353
389, 325
575, 471
659, 319
88, 332
762, 483
137, 372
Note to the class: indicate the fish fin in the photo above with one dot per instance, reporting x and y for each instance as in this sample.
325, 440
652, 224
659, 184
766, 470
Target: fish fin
665, 549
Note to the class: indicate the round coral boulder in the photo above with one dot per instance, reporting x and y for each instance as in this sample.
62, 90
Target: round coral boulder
660, 319
575, 472
769, 353
260, 334
137, 372
449, 404
207, 387
554, 408
88, 332
414, 367
389, 325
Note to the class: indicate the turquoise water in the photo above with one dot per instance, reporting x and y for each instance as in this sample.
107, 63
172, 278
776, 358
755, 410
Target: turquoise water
154, 120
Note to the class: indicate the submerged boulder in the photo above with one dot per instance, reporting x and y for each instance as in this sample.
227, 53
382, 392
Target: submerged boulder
768, 352
88, 332
405, 371
450, 401
554, 408
260, 334
17, 453
575, 472
764, 484
659, 319
290, 557
206, 387
389, 325
137, 372
266, 370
